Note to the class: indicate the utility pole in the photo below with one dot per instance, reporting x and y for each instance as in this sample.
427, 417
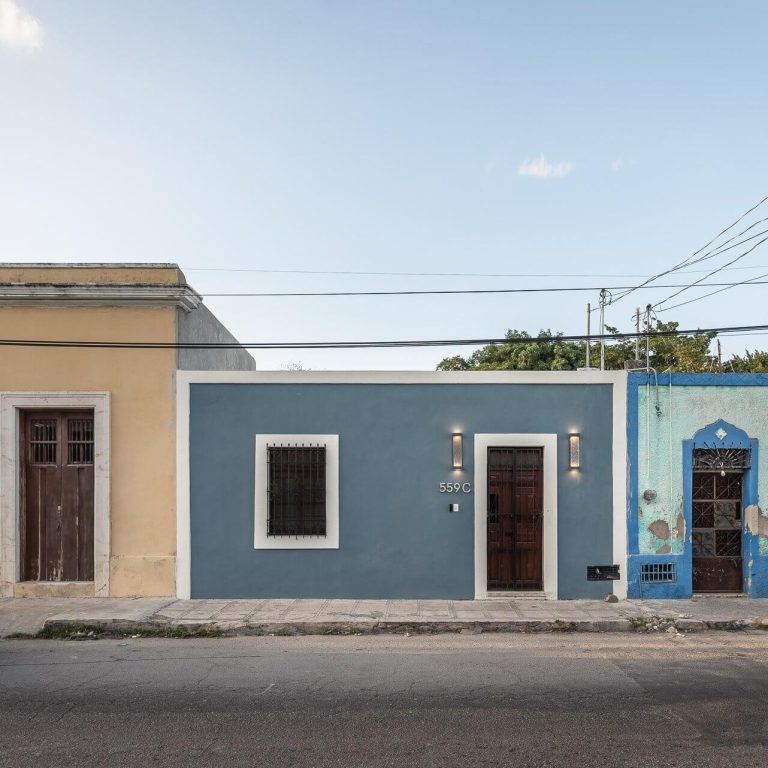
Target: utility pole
637, 338
719, 357
589, 318
603, 294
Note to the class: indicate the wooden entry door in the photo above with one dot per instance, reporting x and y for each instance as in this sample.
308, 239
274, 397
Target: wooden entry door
57, 452
717, 528
515, 518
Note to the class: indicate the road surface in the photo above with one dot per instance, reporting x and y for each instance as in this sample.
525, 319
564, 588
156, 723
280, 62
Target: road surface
483, 700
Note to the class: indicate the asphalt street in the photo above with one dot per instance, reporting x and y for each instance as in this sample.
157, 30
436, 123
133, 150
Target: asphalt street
486, 700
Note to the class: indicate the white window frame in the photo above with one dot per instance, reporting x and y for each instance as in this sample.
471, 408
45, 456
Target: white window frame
331, 539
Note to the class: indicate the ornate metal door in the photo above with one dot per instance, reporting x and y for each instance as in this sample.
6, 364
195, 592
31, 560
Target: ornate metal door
515, 504
717, 530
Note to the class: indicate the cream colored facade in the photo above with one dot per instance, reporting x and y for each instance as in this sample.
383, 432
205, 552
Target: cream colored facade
128, 303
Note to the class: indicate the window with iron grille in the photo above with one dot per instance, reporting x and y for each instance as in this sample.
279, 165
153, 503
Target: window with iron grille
43, 441
297, 492
655, 573
80, 441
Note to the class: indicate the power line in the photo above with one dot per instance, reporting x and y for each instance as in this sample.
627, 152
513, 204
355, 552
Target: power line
431, 292
688, 260
437, 274
712, 293
713, 272
51, 343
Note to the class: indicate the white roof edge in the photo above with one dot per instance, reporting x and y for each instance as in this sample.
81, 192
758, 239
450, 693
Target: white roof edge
400, 377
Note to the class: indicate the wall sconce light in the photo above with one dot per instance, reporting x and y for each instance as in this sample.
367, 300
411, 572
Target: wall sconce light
457, 445
574, 450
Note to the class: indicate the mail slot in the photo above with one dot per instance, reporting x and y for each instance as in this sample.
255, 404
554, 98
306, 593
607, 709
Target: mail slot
603, 573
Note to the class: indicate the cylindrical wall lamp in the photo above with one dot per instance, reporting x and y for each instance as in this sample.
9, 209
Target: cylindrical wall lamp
457, 446
574, 450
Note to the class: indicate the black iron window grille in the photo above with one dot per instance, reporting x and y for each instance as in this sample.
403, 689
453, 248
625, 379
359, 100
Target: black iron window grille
80, 441
655, 573
43, 441
296, 490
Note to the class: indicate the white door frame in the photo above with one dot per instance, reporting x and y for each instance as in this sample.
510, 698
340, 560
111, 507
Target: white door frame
11, 405
548, 442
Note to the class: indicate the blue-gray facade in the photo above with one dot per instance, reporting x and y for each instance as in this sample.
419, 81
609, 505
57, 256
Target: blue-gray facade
397, 538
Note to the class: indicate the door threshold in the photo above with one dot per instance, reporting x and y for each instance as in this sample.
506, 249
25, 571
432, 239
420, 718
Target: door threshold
704, 595
530, 594
54, 589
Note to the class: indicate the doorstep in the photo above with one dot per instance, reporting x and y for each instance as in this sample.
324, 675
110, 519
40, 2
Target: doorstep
26, 589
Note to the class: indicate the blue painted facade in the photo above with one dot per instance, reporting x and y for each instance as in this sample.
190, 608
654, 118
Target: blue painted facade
668, 417
397, 538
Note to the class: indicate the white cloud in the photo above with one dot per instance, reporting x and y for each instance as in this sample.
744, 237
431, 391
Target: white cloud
541, 169
19, 29
618, 164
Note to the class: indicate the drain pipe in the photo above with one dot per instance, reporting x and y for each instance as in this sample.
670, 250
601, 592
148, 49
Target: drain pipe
669, 373
648, 420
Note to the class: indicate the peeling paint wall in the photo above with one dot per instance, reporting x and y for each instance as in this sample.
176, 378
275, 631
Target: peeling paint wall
659, 462
661, 418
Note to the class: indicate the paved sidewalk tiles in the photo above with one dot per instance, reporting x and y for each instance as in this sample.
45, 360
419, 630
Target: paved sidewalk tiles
68, 616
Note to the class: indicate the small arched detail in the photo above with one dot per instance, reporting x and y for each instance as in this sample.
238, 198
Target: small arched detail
721, 434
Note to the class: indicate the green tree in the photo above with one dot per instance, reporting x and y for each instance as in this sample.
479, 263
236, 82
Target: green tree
752, 362
534, 356
689, 353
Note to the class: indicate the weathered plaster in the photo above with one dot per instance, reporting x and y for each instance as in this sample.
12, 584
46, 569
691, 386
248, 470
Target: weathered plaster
664, 427
660, 468
756, 521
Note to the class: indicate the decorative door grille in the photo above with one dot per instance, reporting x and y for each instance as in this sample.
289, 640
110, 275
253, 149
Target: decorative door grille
717, 530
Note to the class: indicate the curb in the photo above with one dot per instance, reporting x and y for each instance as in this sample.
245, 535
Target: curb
73, 629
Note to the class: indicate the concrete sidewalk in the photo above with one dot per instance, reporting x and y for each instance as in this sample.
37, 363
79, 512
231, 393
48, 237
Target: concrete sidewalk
70, 617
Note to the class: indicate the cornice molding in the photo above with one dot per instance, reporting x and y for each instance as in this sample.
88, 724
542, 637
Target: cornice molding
86, 295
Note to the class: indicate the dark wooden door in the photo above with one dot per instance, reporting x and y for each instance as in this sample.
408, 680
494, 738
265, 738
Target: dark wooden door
515, 517
57, 453
716, 536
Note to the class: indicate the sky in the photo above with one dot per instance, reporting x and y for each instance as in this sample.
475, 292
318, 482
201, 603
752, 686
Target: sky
563, 143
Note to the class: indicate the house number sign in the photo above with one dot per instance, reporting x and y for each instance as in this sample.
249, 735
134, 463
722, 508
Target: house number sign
455, 487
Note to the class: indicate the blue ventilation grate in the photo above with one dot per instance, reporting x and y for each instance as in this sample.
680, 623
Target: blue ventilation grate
654, 573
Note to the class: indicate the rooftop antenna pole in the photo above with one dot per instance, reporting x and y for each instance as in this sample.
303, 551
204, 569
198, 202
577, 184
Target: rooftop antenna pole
589, 317
603, 294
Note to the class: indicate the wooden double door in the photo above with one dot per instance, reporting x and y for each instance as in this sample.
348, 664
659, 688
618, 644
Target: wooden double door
57, 478
515, 518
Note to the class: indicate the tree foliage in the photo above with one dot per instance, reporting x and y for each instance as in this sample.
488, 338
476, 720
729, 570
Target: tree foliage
689, 353
752, 362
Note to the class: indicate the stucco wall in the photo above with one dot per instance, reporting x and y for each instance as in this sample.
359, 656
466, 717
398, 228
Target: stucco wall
143, 540
397, 537
201, 325
661, 419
